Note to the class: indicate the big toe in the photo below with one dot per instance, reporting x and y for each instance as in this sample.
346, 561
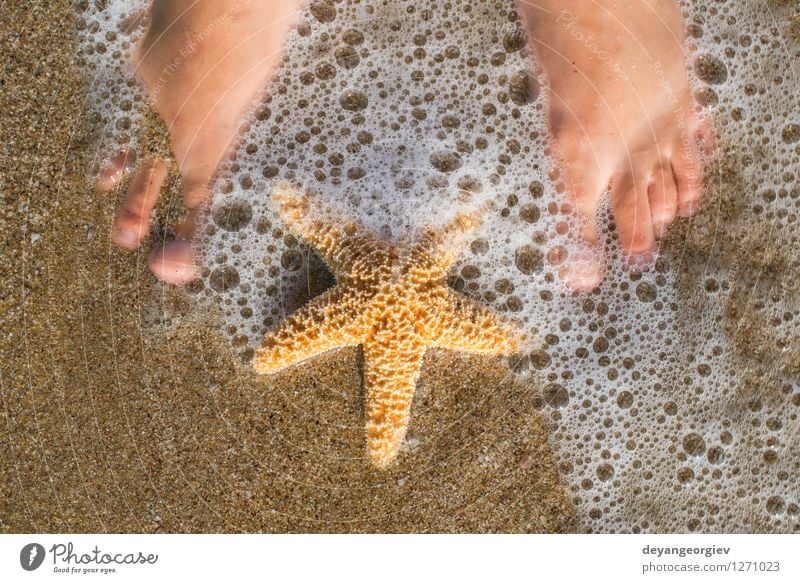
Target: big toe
173, 262
586, 179
584, 271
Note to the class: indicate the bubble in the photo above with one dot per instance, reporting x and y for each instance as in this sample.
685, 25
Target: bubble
514, 40
539, 359
600, 345
445, 161
352, 37
529, 213
224, 279
452, 52
450, 121
775, 505
514, 304
470, 184
646, 292
325, 71
353, 100
625, 400
529, 260
685, 475
605, 472
522, 89
356, 173
715, 455
347, 57
791, 133
710, 69
479, 247
556, 396
470, 272
694, 30
292, 260
233, 216
694, 444
706, 97
323, 10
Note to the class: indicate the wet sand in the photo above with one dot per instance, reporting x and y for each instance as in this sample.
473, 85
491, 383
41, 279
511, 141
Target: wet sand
123, 410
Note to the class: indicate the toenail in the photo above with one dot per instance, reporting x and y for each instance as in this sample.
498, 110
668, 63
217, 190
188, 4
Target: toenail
125, 238
172, 263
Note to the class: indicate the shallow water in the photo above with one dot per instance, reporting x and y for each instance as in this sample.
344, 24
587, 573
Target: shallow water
672, 394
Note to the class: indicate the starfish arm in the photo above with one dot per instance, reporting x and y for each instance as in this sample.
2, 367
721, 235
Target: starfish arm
463, 325
436, 250
391, 372
330, 321
340, 242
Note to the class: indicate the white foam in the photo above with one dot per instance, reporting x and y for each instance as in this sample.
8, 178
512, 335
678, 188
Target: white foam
108, 33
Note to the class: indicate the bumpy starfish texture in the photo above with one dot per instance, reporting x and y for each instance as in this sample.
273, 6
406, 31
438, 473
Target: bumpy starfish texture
394, 302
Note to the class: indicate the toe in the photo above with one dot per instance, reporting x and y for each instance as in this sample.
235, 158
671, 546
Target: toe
584, 271
663, 197
173, 262
584, 268
112, 174
631, 206
586, 177
133, 219
687, 168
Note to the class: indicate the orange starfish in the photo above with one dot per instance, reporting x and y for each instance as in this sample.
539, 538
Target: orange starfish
394, 302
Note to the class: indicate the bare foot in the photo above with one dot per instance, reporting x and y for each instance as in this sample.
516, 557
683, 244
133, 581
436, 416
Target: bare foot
202, 63
621, 116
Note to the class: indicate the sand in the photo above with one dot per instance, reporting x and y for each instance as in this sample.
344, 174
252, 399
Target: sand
122, 410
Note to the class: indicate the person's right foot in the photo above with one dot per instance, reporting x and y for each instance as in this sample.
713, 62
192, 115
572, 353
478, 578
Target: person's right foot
621, 116
202, 63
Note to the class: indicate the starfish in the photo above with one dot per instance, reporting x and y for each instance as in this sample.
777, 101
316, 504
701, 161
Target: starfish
392, 301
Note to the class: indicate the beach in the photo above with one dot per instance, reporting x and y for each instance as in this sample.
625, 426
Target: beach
665, 400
